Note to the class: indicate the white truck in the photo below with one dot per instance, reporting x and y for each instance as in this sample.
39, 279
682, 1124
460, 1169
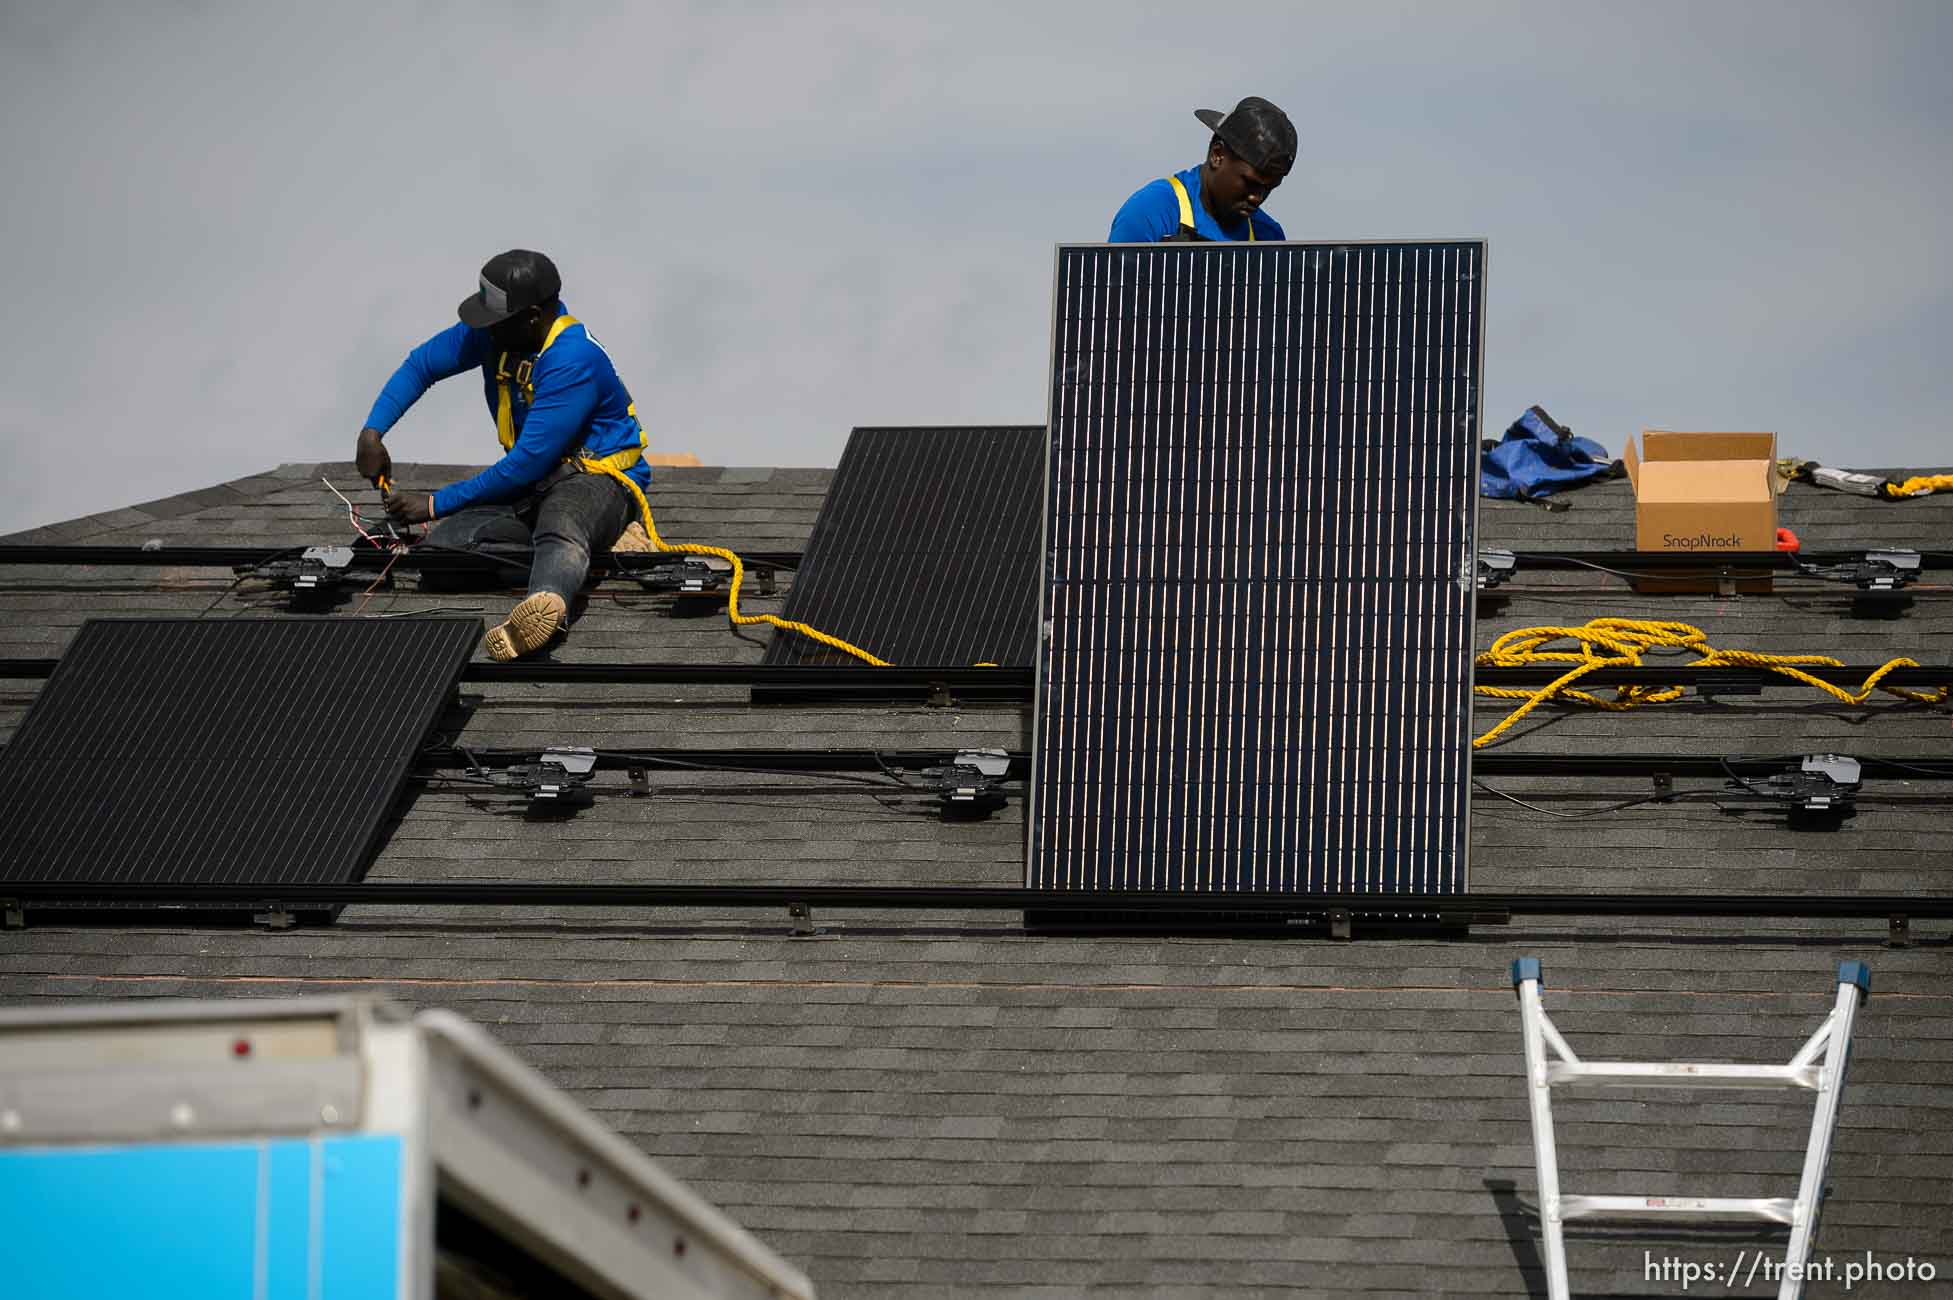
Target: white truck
329, 1149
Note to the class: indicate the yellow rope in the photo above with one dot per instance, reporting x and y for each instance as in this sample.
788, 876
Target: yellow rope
1920, 485
603, 466
1620, 643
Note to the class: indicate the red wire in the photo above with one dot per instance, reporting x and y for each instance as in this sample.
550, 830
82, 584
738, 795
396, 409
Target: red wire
398, 551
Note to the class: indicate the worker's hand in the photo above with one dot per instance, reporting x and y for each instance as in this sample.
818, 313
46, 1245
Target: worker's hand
370, 455
410, 507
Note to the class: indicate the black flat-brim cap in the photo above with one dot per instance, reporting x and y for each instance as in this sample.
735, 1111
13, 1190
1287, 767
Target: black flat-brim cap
1259, 133
511, 282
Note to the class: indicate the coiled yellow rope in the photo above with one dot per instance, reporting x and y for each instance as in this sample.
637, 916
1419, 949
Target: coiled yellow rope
596, 466
1620, 643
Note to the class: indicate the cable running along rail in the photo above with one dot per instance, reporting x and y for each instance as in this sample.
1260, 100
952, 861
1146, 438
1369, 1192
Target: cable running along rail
952, 898
422, 558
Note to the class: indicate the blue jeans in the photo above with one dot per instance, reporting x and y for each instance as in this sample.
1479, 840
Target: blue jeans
566, 515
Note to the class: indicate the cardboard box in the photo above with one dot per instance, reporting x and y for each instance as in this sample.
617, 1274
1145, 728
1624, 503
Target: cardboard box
1704, 492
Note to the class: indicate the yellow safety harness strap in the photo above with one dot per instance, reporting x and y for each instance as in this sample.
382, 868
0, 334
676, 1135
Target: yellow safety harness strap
1186, 208
1186, 204
504, 378
616, 464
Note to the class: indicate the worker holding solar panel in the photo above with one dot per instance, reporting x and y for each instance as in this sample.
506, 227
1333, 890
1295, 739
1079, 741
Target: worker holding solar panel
572, 472
1220, 199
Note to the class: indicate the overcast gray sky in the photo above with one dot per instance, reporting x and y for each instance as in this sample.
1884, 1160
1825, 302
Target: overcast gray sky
226, 223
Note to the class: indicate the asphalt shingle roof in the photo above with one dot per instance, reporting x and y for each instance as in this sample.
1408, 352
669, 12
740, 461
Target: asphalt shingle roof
942, 1104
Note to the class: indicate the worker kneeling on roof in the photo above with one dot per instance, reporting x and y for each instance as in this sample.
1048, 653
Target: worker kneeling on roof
1251, 152
572, 446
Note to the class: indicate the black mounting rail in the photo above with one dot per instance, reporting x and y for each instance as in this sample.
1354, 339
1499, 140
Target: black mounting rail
1638, 562
1693, 765
624, 758
951, 898
364, 557
1016, 683
232, 557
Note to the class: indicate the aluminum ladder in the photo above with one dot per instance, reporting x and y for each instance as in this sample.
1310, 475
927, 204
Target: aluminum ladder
1818, 1066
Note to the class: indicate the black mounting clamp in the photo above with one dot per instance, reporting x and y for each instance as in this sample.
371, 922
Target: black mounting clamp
1495, 566
1881, 578
1824, 787
314, 575
684, 578
559, 780
1887, 570
970, 786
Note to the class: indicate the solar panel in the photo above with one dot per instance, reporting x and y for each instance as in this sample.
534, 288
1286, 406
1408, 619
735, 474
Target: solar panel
1257, 665
243, 751
925, 551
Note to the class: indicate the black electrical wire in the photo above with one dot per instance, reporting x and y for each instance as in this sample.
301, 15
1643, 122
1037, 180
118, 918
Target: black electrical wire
633, 757
627, 756
1661, 796
249, 573
756, 796
474, 765
1589, 564
1743, 782
1946, 771
520, 566
897, 776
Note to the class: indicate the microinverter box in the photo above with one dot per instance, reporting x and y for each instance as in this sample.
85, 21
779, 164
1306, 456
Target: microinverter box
1704, 492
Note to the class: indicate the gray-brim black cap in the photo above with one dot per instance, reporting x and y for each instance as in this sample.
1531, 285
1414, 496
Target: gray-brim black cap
511, 282
1259, 133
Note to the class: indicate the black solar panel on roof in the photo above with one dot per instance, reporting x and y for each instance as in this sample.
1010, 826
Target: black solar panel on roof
1262, 495
236, 751
925, 551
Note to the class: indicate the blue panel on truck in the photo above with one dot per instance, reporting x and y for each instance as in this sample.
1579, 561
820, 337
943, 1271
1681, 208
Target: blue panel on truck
292, 1219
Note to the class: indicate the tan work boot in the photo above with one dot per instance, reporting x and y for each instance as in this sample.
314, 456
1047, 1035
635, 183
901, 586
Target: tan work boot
529, 627
634, 540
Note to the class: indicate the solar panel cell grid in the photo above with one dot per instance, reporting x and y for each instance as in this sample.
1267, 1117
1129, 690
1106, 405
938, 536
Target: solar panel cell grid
240, 751
1260, 501
925, 551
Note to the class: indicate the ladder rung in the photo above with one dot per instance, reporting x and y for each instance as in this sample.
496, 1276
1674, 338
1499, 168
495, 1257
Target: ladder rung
1676, 1074
1772, 1209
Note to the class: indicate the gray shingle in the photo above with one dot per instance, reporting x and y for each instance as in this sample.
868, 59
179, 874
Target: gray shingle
915, 1105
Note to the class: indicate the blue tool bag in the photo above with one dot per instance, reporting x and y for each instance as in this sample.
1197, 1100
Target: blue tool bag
1537, 457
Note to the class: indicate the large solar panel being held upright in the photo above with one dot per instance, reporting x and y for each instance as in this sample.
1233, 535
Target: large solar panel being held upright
925, 551
246, 751
1261, 499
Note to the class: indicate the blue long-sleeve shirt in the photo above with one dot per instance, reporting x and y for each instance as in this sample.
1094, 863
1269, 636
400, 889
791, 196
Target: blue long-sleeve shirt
1153, 213
579, 403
